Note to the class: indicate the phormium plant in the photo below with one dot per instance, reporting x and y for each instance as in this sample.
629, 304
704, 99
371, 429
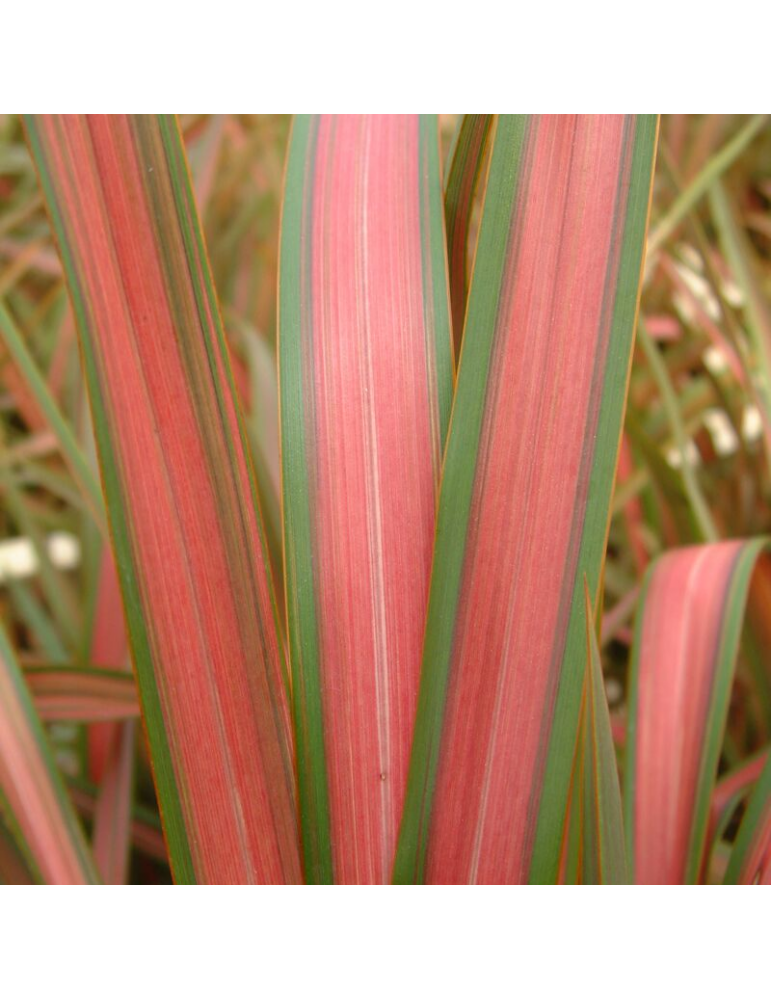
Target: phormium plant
391, 671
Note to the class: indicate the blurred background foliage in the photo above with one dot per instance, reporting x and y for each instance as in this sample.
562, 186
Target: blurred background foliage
694, 463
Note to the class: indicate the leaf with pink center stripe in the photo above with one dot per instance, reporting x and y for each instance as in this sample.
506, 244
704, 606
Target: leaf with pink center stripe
525, 494
366, 383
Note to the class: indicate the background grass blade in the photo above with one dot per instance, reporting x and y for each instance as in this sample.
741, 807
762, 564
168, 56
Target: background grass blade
740, 254
701, 184
366, 384
468, 157
525, 497
38, 389
699, 507
33, 800
180, 493
683, 661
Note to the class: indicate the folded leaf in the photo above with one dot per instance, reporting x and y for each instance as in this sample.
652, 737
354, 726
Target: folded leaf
683, 659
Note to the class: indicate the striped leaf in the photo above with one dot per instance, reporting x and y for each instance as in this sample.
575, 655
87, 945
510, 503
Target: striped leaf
180, 492
683, 660
525, 495
82, 694
33, 801
365, 383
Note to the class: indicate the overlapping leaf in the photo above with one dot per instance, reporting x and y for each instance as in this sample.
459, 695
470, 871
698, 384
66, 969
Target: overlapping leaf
525, 496
180, 492
683, 661
463, 179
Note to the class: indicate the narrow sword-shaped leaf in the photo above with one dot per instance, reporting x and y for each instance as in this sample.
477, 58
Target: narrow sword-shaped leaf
180, 493
594, 851
110, 745
750, 861
683, 661
603, 855
523, 510
365, 385
33, 800
460, 190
